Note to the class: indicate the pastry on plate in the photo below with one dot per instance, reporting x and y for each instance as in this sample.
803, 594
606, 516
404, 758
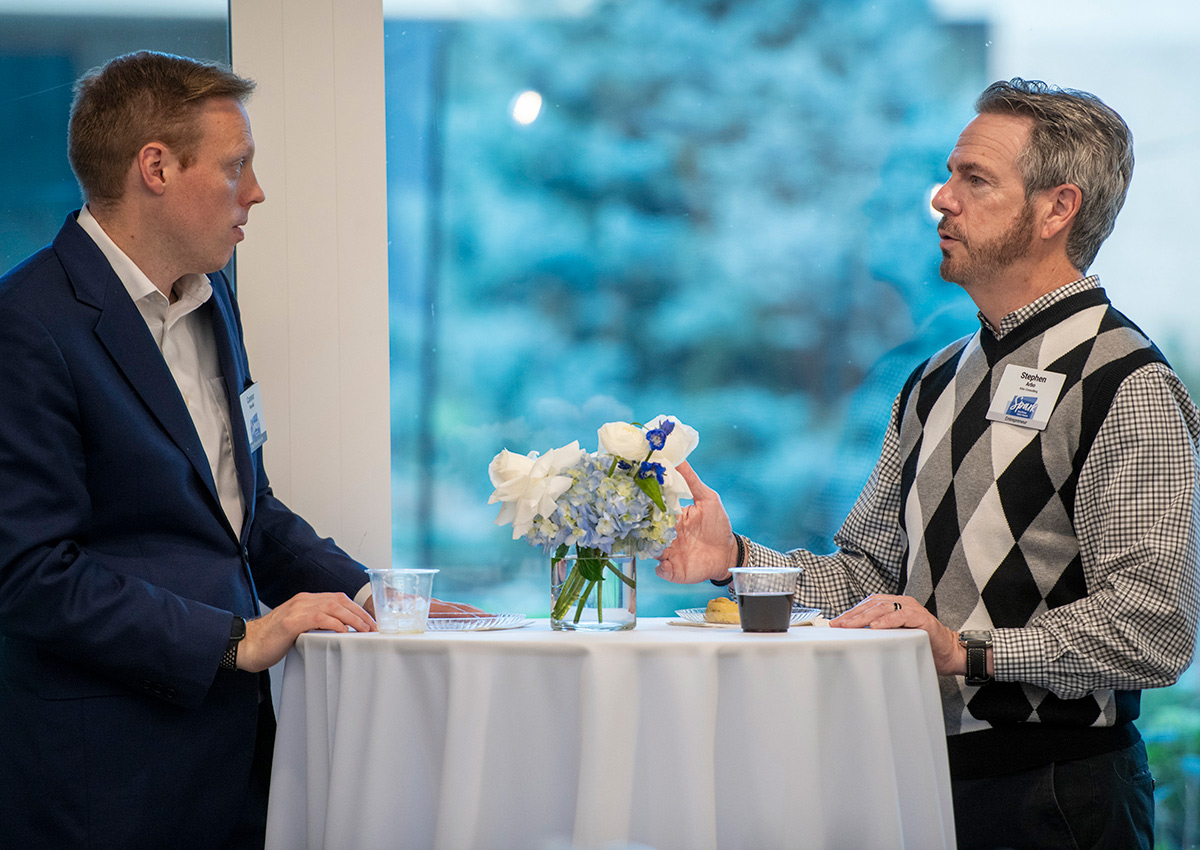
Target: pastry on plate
722, 610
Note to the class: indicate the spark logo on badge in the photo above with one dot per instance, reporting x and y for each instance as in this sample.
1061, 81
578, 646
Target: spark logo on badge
1026, 397
1022, 407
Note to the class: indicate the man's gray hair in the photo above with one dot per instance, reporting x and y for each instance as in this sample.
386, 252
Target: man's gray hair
1075, 139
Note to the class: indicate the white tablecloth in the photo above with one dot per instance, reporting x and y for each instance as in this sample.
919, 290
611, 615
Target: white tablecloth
669, 737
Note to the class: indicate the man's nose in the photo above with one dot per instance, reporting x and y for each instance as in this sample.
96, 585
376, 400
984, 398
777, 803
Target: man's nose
943, 200
254, 194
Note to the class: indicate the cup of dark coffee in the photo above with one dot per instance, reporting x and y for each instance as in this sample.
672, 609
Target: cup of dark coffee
764, 596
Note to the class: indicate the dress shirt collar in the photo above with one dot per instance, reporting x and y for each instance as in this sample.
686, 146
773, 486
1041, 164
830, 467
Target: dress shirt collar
193, 288
1018, 317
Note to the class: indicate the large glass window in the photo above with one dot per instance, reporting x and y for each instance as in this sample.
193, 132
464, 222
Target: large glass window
719, 211
609, 210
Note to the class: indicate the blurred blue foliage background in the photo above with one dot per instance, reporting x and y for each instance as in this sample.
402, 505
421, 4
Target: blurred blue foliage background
721, 213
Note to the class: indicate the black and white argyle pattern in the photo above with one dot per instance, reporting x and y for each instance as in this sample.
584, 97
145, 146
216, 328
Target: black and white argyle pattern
1076, 545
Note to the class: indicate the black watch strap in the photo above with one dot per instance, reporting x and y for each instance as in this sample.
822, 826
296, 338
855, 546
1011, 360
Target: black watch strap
976, 644
741, 561
237, 631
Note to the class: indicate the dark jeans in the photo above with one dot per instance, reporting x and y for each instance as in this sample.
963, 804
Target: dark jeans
1105, 802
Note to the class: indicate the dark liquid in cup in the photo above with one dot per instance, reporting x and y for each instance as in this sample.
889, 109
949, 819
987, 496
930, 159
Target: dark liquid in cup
766, 612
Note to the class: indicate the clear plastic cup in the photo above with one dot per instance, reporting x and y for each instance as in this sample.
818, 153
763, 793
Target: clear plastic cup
764, 597
401, 599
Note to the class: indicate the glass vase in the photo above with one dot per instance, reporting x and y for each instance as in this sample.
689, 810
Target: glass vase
592, 591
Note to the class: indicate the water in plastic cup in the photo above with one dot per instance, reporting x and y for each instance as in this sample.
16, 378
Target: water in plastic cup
765, 597
401, 599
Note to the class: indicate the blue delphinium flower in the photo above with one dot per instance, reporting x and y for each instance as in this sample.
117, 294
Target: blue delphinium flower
657, 437
649, 468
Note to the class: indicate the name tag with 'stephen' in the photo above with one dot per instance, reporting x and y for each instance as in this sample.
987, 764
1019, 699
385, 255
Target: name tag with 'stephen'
1026, 397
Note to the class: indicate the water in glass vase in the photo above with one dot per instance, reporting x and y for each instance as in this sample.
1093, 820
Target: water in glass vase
592, 591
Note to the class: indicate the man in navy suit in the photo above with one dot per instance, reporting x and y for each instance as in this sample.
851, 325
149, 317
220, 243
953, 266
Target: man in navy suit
138, 531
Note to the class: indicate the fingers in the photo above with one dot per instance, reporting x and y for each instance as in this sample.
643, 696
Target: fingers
440, 608
342, 618
880, 611
673, 565
699, 488
305, 612
351, 614
884, 611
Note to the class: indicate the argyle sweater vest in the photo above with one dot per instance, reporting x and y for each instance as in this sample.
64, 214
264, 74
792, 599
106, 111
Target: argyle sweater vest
988, 509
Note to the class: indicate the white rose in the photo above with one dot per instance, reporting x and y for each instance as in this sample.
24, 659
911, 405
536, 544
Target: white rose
680, 443
674, 488
557, 460
623, 440
528, 486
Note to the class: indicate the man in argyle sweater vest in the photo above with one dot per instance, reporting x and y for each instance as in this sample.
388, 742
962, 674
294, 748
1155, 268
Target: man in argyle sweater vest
990, 511
1034, 508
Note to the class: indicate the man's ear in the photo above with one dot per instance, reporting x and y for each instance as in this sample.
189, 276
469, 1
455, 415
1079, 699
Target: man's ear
153, 164
1062, 205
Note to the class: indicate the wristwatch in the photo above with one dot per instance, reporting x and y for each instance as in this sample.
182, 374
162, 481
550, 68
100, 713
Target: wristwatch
977, 644
237, 631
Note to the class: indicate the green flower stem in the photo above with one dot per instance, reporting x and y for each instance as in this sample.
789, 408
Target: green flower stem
628, 581
583, 601
569, 593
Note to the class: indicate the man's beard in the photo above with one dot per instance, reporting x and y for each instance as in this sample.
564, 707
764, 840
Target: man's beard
984, 260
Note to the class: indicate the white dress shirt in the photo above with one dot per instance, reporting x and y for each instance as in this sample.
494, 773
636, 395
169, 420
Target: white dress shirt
184, 335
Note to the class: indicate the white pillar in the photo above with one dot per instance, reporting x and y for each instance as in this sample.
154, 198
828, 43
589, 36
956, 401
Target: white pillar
312, 273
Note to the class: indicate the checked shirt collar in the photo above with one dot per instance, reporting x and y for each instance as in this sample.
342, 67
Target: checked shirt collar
1018, 317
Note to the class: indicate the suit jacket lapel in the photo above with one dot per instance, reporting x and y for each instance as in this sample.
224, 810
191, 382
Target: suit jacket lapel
123, 333
237, 381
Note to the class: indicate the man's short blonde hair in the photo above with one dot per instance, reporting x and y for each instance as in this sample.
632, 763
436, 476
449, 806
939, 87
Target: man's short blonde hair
135, 99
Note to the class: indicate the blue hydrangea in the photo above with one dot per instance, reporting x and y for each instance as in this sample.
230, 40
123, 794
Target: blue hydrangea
605, 509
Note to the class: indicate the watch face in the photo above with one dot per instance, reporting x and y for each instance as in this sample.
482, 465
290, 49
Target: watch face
238, 630
975, 635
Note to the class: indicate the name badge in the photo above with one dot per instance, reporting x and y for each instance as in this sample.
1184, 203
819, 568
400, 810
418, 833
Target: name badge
252, 413
1026, 397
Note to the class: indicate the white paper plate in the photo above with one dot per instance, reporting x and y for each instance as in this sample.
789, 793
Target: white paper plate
476, 624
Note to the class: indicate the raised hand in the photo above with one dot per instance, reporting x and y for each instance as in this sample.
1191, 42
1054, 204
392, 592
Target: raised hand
704, 546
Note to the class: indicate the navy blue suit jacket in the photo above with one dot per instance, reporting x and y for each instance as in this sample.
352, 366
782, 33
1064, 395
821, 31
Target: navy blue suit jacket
119, 572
